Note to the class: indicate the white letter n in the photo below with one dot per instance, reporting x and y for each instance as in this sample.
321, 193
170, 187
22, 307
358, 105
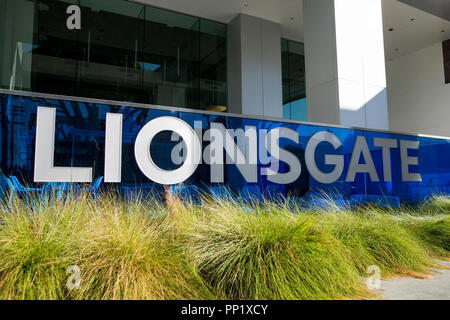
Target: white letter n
44, 170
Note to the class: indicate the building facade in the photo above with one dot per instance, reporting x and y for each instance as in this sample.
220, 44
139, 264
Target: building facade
351, 64
371, 63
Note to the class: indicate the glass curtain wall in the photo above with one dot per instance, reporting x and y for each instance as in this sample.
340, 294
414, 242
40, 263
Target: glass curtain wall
123, 51
171, 65
17, 20
294, 86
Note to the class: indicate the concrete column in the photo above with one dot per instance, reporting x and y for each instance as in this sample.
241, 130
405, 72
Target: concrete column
254, 67
345, 63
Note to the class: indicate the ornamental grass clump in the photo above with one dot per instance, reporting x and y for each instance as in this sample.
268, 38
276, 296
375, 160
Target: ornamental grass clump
123, 250
436, 205
250, 253
432, 232
127, 252
36, 247
376, 239
139, 247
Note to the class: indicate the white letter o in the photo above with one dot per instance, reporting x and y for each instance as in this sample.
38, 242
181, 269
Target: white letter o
144, 158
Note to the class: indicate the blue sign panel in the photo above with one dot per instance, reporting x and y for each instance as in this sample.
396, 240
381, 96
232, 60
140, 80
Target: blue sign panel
49, 140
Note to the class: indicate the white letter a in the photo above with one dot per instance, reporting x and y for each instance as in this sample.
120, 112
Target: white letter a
74, 21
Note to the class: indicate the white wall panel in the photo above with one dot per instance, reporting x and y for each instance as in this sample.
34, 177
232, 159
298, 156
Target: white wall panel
419, 99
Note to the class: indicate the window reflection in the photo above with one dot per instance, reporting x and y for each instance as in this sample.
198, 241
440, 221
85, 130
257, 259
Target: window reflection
16, 42
124, 51
171, 75
293, 74
446, 48
213, 65
111, 39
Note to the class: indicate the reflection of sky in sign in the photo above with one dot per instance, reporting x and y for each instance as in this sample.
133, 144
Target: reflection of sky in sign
148, 66
83, 110
80, 131
28, 47
69, 108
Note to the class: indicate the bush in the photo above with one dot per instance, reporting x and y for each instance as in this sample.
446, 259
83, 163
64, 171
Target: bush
121, 249
141, 249
35, 250
437, 205
270, 255
375, 239
434, 233
126, 254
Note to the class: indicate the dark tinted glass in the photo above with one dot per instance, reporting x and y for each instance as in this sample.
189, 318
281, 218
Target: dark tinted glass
213, 66
171, 55
293, 73
56, 50
446, 48
17, 20
111, 40
123, 51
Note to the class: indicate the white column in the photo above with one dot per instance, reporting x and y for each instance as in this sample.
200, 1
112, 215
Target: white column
254, 67
345, 63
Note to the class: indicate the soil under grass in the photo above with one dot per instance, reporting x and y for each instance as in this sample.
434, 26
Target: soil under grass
142, 249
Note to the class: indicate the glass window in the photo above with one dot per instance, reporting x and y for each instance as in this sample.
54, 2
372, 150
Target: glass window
446, 48
111, 39
56, 49
213, 66
293, 77
171, 55
123, 51
16, 43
